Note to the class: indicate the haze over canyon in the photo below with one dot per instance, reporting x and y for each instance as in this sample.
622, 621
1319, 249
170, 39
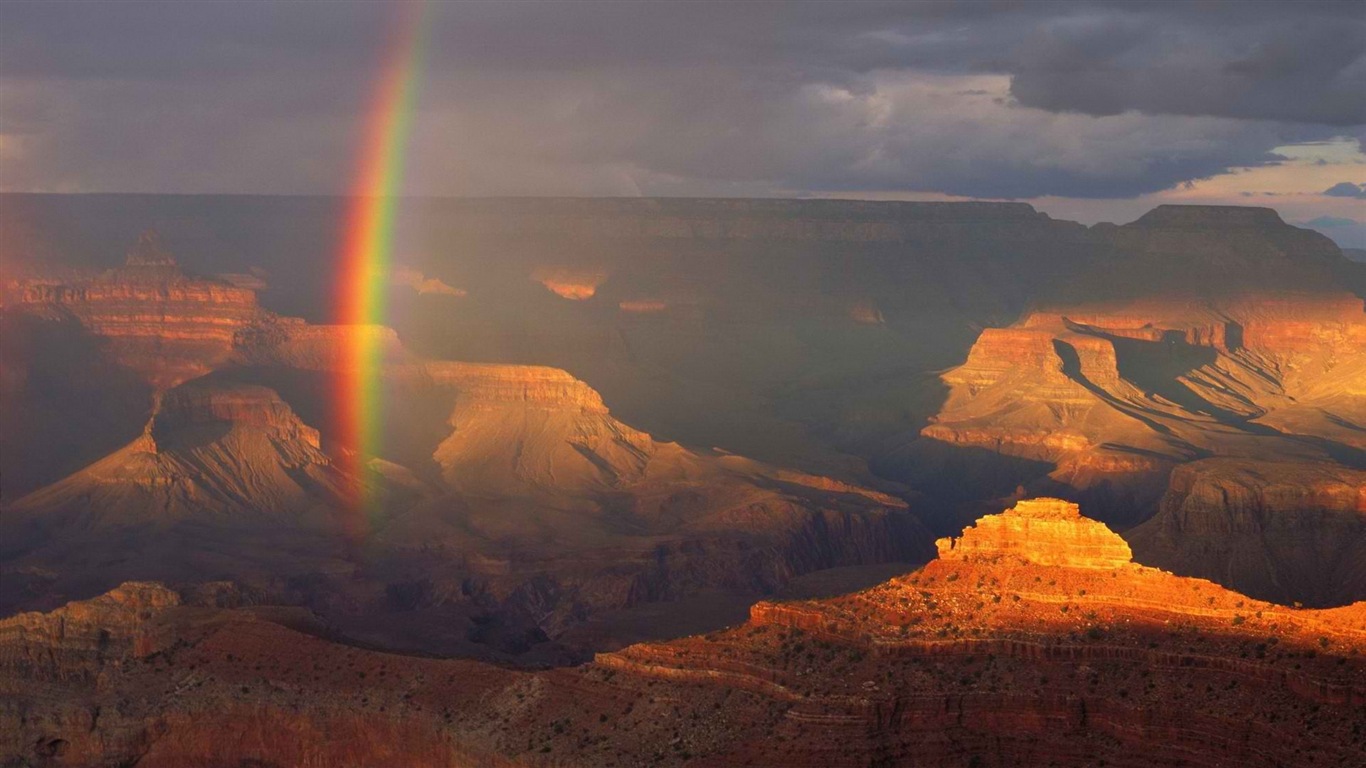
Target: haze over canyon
594, 384
612, 422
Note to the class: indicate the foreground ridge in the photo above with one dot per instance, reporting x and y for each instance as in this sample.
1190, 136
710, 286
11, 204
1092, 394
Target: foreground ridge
1031, 640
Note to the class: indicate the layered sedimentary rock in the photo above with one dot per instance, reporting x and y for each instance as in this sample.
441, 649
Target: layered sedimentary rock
557, 511
1105, 398
532, 504
209, 449
508, 504
988, 655
164, 325
75, 642
1282, 531
536, 429
1042, 532
571, 283
796, 331
976, 658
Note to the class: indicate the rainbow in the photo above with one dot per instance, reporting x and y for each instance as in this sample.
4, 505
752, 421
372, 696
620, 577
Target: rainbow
367, 250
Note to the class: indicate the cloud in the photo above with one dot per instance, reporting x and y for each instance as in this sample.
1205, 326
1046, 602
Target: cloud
1200, 59
966, 98
1347, 189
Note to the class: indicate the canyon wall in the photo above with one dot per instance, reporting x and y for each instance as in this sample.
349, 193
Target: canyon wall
1023, 649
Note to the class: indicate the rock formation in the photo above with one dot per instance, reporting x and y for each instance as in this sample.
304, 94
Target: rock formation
1102, 401
164, 325
806, 334
1283, 531
1041, 532
505, 491
985, 656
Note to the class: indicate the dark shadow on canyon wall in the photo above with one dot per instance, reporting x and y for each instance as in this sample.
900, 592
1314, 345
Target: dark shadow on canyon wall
63, 404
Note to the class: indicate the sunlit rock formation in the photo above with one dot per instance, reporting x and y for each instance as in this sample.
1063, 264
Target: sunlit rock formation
569, 282
1105, 399
166, 326
1191, 333
503, 490
424, 285
1042, 532
981, 657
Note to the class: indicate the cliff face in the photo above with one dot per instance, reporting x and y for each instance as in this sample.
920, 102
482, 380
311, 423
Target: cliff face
1031, 639
985, 656
1042, 532
556, 511
504, 491
1283, 531
802, 332
1105, 398
209, 450
74, 643
533, 505
524, 429
157, 321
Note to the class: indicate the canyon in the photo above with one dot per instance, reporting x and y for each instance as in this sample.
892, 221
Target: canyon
657, 478
949, 357
1197, 408
514, 505
1031, 638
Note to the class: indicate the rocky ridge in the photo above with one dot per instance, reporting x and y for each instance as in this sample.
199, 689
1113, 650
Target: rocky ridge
1104, 402
508, 491
1017, 646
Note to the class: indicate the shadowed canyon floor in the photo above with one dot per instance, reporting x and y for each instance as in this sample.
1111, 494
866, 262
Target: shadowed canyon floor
1031, 640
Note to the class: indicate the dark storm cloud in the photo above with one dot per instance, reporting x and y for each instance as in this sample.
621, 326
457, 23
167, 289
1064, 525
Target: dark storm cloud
1305, 63
1347, 189
971, 98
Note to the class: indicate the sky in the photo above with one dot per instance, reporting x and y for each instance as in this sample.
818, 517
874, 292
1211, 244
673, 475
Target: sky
1089, 110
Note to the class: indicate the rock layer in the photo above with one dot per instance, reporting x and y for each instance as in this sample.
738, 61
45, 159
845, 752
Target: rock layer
1284, 531
1042, 532
978, 658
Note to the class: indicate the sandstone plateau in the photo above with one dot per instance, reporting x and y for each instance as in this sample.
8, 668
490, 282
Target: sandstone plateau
1032, 639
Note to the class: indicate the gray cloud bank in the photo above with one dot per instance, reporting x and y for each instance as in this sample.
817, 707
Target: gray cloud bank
967, 98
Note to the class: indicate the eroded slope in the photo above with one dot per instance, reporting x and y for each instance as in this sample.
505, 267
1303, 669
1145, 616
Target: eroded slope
1032, 639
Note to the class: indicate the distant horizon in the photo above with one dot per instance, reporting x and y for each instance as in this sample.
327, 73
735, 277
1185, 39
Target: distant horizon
1090, 111
1345, 232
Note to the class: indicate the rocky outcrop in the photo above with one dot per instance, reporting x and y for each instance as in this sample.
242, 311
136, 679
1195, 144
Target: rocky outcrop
292, 343
569, 282
523, 429
532, 504
1108, 397
975, 658
560, 512
224, 482
75, 642
159, 322
1042, 532
249, 406
424, 285
991, 654
1277, 530
137, 676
